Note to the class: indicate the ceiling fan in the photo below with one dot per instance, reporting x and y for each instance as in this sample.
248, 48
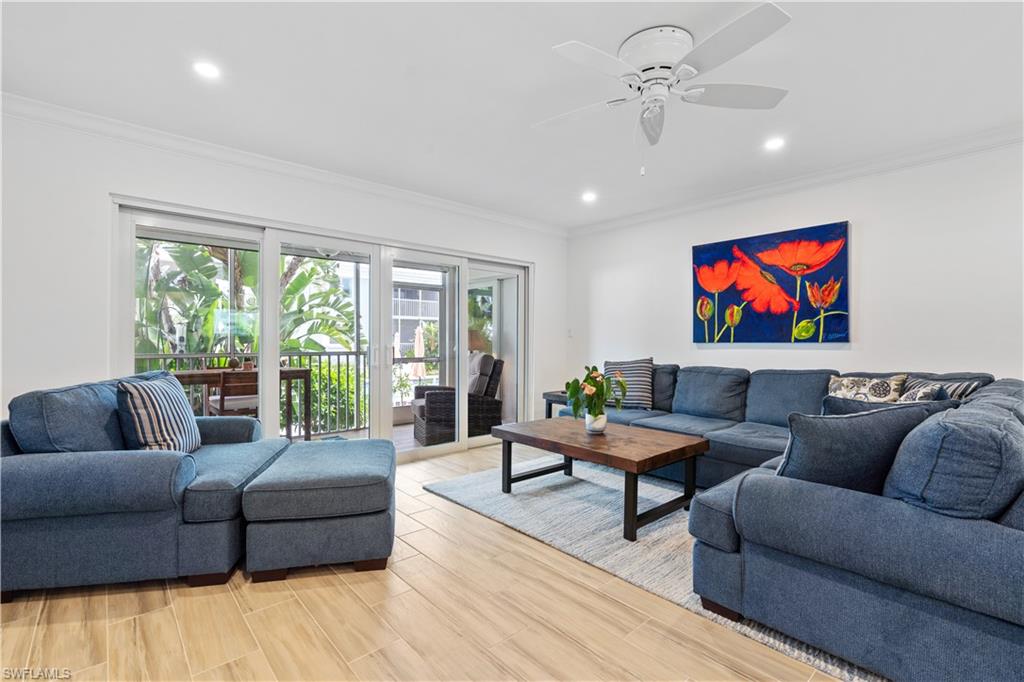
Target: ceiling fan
656, 63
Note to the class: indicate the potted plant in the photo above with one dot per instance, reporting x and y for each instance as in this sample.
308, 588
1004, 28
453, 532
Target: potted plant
590, 395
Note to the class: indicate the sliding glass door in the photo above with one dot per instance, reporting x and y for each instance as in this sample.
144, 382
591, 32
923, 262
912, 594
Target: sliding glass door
326, 334
425, 338
321, 337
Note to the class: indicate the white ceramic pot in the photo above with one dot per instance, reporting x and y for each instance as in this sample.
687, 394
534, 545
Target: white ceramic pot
596, 424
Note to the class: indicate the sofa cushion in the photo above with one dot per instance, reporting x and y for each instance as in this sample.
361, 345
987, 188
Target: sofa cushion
748, 443
715, 392
1014, 516
639, 378
885, 389
711, 513
619, 416
1011, 388
833, 405
684, 423
853, 451
221, 473
155, 414
774, 393
919, 392
958, 385
773, 463
664, 386
79, 418
320, 479
967, 463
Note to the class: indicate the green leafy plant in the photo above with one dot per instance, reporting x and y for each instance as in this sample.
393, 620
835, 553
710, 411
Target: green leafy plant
591, 393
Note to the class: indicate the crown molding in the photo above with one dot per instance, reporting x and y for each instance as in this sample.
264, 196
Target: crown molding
36, 111
994, 138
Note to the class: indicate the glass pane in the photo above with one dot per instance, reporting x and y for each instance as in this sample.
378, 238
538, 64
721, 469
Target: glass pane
493, 305
324, 330
423, 323
197, 308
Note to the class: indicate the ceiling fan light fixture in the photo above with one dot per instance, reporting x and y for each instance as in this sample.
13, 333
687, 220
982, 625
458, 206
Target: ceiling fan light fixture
588, 197
774, 144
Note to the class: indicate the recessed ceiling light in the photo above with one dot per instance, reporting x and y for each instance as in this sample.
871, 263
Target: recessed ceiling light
773, 144
206, 70
588, 197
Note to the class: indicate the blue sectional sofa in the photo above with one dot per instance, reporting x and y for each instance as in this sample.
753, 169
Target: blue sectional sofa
906, 590
78, 508
742, 414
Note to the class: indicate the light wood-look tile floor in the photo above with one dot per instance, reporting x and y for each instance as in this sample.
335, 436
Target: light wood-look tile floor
463, 598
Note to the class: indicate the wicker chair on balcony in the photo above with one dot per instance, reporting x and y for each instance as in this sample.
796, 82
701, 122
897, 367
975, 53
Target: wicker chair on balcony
434, 407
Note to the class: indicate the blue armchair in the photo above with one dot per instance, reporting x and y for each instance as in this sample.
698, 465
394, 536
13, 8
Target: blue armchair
70, 517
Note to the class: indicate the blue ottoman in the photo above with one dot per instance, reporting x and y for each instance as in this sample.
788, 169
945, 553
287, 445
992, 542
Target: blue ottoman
321, 502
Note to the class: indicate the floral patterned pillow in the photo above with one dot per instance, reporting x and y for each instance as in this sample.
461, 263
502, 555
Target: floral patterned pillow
869, 389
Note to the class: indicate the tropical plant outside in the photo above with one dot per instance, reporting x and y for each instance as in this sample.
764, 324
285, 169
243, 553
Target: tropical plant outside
202, 299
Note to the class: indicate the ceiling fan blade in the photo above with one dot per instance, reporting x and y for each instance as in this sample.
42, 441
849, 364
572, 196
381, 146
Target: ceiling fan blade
589, 56
733, 96
584, 111
652, 121
732, 40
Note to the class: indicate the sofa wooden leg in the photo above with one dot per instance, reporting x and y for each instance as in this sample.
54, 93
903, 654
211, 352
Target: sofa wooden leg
8, 596
718, 609
371, 564
204, 579
267, 576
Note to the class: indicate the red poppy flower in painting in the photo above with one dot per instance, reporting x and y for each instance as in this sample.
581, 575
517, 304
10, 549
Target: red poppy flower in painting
760, 288
718, 277
802, 256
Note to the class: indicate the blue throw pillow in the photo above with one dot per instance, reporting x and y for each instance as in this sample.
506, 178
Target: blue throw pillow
155, 414
833, 405
853, 451
967, 463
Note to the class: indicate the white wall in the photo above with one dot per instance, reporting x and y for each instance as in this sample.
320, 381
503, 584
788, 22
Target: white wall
935, 271
57, 216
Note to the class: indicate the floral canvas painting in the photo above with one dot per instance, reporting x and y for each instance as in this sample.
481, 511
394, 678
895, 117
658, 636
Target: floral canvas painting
784, 287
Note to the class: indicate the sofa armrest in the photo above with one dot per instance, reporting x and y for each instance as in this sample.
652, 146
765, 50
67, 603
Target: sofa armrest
215, 430
974, 564
80, 483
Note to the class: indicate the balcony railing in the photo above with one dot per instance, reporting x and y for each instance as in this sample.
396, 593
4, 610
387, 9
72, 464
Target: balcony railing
339, 385
426, 310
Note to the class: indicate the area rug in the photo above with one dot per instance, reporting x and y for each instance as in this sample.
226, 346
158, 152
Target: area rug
582, 516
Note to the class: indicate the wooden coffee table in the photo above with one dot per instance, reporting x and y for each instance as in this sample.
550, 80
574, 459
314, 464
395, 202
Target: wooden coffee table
632, 450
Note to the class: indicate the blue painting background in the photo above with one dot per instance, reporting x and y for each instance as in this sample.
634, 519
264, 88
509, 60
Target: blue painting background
765, 327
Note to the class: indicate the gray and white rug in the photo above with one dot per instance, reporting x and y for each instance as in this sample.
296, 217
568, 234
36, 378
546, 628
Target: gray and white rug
582, 516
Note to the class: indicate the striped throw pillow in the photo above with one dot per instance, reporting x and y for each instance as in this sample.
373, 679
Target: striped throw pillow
956, 390
156, 415
639, 378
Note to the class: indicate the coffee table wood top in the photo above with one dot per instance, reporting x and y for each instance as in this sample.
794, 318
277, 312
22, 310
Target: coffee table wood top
628, 448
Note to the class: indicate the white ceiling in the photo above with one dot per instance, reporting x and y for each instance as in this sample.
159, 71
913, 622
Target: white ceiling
439, 98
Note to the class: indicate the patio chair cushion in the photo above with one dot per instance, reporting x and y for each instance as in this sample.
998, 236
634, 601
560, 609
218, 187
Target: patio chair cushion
221, 473
480, 366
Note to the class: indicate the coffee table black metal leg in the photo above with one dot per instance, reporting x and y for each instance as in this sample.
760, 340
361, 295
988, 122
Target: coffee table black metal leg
506, 466
568, 465
629, 521
690, 486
